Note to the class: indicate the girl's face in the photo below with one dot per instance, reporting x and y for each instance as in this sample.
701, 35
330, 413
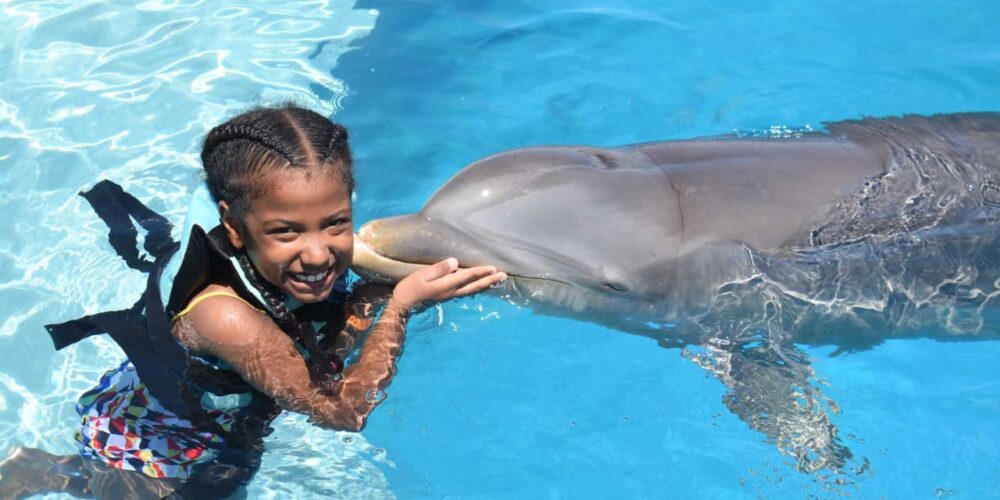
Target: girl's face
299, 234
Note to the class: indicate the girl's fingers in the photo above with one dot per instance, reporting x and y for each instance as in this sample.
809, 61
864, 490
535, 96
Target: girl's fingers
480, 284
461, 277
444, 280
443, 268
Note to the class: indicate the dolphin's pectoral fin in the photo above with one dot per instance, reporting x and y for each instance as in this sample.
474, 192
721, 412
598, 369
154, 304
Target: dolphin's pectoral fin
746, 341
773, 388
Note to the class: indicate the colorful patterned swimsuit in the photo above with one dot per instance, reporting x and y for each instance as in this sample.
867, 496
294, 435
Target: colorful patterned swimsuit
125, 427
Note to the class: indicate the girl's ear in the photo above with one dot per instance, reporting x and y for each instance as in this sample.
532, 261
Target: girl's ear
229, 222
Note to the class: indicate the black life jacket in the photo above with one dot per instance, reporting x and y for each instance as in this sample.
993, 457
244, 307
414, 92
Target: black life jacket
177, 271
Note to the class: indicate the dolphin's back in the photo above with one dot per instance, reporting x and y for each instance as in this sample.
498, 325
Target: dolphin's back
771, 192
760, 191
960, 132
942, 170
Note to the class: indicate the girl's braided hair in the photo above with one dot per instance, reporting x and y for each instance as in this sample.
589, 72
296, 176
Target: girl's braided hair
240, 157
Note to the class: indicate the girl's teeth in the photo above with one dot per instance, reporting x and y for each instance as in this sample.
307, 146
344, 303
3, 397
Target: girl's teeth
312, 278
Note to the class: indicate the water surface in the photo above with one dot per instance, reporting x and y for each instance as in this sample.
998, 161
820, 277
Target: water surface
491, 400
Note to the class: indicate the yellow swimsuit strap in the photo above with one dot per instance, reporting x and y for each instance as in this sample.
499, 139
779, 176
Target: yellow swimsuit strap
197, 300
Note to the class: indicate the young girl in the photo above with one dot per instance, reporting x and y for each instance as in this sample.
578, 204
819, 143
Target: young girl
245, 317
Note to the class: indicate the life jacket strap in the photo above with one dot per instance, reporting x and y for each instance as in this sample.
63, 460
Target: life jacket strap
71, 332
118, 209
142, 331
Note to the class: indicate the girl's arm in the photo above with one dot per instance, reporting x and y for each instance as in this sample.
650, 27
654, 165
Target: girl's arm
360, 310
267, 358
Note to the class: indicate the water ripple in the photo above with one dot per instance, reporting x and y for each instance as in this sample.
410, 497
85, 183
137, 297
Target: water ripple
99, 89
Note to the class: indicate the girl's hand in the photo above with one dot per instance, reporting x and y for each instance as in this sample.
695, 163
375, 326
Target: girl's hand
443, 281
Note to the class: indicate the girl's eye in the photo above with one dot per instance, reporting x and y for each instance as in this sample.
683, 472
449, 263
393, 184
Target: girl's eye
338, 222
281, 230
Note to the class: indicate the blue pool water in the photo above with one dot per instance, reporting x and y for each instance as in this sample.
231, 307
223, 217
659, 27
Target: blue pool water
491, 400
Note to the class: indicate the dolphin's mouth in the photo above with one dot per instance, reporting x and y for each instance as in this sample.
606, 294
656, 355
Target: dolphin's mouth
377, 268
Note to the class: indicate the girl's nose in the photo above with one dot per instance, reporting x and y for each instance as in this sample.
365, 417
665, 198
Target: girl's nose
315, 253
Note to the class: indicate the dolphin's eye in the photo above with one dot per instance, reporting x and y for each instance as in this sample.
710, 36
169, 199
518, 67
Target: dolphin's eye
616, 287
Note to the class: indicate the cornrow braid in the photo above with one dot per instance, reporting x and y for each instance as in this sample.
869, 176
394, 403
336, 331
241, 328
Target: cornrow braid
338, 141
234, 131
324, 370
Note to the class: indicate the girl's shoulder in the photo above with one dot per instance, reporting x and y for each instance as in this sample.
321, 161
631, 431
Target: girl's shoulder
210, 292
218, 316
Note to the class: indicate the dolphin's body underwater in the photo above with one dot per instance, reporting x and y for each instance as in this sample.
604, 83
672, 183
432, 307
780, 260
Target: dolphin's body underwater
738, 248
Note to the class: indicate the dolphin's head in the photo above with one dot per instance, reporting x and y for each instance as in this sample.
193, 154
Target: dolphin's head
573, 227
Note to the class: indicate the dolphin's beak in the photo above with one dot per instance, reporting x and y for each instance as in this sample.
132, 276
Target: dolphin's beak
387, 250
376, 267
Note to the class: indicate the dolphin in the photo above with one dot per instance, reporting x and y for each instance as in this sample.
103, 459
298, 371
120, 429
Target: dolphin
737, 249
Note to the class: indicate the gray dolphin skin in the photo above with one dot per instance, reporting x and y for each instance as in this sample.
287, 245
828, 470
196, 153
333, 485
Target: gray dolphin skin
738, 249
